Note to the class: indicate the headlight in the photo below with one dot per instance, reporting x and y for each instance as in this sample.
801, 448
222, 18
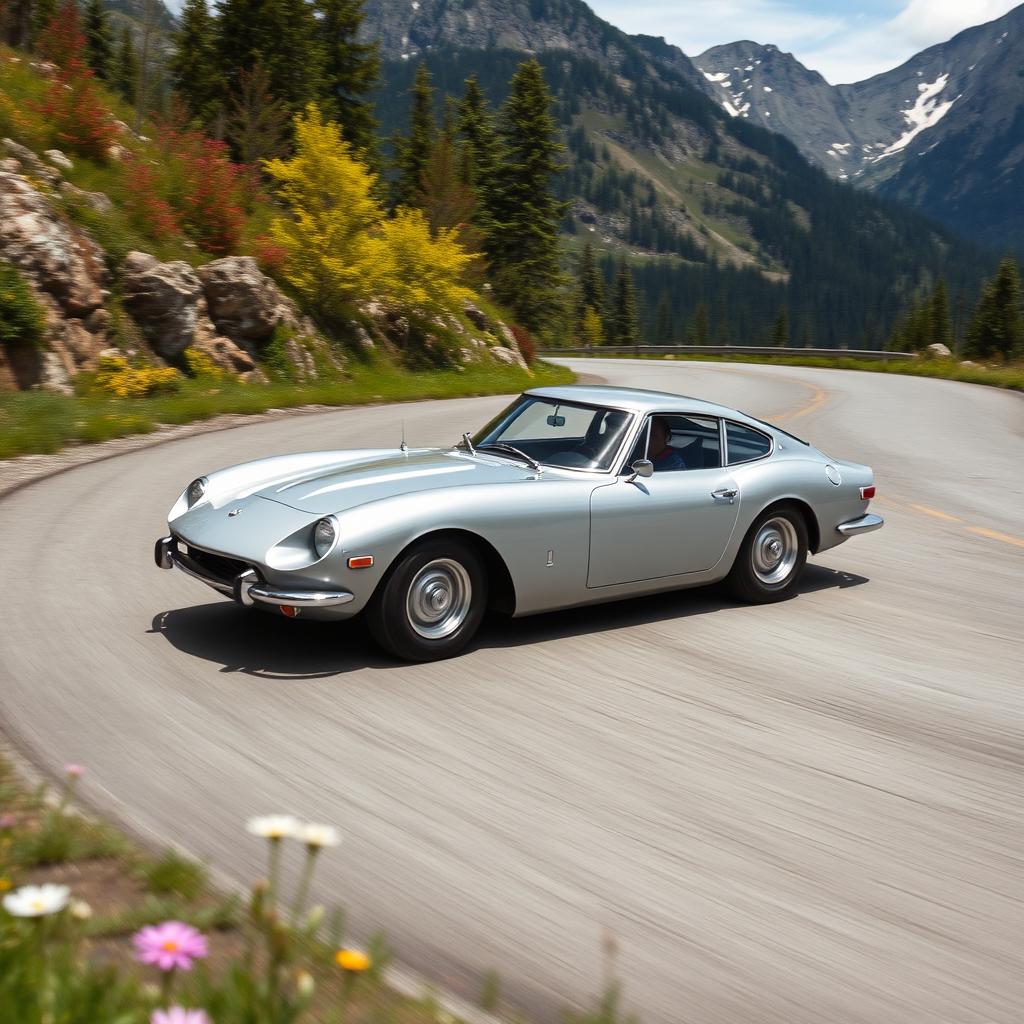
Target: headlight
196, 490
325, 533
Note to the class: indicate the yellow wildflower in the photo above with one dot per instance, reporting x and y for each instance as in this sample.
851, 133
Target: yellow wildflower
354, 960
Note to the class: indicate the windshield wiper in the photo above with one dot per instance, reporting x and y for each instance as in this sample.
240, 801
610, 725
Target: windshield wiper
533, 463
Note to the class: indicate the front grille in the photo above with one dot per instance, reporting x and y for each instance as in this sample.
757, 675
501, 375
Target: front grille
219, 567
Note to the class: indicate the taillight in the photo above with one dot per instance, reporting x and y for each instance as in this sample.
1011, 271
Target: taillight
867, 493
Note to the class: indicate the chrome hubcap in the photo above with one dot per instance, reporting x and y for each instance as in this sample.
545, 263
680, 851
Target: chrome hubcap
774, 551
439, 599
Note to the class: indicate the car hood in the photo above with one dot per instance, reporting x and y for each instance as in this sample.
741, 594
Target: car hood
387, 475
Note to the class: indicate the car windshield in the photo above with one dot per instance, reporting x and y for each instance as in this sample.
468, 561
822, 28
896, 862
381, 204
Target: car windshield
563, 434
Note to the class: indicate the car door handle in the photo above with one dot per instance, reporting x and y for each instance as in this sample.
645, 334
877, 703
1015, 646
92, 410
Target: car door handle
725, 494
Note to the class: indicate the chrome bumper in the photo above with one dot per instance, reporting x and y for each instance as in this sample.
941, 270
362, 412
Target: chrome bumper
247, 588
865, 524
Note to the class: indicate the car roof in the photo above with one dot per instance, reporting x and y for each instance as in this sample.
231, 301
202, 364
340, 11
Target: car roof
636, 400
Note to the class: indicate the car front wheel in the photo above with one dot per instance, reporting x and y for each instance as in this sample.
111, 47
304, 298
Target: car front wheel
771, 558
431, 603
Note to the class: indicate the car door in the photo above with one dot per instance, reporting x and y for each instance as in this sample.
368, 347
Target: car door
668, 524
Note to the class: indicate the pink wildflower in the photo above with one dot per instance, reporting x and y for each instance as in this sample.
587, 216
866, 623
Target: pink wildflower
7, 821
179, 1015
169, 946
74, 771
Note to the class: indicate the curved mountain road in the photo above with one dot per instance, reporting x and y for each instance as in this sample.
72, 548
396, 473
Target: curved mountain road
786, 815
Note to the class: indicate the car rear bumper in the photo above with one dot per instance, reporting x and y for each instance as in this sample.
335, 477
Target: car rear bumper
246, 587
864, 524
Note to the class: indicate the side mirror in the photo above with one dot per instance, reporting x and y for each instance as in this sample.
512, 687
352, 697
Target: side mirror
641, 468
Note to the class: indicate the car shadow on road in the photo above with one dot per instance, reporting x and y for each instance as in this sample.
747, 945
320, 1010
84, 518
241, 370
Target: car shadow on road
272, 647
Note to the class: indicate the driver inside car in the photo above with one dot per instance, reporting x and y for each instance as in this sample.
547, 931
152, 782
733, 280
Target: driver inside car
659, 451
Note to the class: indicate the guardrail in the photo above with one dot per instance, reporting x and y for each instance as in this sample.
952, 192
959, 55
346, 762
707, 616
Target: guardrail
727, 350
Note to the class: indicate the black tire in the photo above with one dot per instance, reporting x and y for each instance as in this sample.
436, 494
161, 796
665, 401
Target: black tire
761, 573
430, 604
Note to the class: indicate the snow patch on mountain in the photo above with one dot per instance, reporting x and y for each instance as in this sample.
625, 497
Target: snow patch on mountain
719, 77
926, 112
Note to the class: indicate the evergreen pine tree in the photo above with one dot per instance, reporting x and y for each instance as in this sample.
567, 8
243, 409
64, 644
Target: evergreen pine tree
282, 35
699, 331
522, 249
997, 327
590, 287
43, 12
446, 200
664, 332
412, 153
97, 37
351, 72
475, 126
193, 66
623, 328
941, 323
125, 72
16, 23
257, 126
780, 329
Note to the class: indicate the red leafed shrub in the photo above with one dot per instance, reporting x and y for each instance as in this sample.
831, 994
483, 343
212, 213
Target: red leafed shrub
80, 121
525, 341
61, 39
152, 214
269, 256
205, 188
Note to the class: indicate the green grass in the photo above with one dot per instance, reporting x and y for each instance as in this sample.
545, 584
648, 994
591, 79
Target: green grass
36, 422
1010, 377
171, 874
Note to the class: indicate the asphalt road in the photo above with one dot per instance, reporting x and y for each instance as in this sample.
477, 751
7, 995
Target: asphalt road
795, 814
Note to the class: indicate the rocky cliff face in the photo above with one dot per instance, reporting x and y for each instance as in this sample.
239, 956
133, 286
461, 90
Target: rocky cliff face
406, 30
66, 271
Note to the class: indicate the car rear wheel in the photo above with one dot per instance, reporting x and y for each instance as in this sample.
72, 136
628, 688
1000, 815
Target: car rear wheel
771, 558
431, 603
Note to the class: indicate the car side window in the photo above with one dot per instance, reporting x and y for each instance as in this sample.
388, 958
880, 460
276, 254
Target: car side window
745, 444
693, 442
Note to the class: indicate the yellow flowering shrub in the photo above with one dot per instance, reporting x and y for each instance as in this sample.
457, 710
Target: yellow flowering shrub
118, 378
338, 244
421, 271
201, 365
331, 256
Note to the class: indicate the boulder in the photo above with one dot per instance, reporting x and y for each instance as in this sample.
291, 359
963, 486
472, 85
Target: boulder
58, 159
225, 354
164, 299
56, 257
244, 304
939, 351
476, 316
98, 201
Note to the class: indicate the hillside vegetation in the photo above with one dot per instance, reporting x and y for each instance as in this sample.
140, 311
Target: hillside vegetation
158, 267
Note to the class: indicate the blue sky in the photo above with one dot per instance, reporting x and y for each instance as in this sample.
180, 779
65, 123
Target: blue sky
846, 42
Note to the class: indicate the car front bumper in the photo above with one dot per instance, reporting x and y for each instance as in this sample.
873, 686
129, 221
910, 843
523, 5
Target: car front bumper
246, 587
864, 524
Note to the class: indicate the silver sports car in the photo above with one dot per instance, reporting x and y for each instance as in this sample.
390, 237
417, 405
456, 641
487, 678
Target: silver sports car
572, 495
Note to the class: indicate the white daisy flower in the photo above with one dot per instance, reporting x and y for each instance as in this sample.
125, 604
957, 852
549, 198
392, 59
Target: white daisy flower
273, 826
319, 836
37, 900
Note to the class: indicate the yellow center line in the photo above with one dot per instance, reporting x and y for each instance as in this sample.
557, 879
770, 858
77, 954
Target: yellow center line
996, 535
818, 399
935, 513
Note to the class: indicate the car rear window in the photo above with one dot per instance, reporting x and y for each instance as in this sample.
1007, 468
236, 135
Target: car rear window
744, 444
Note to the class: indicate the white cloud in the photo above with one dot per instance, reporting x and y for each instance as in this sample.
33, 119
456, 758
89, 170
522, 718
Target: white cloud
845, 44
924, 22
